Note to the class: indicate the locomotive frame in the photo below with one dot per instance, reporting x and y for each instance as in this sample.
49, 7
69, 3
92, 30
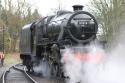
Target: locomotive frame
45, 39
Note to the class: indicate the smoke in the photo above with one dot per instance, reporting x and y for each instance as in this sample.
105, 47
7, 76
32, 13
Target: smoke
93, 64
42, 68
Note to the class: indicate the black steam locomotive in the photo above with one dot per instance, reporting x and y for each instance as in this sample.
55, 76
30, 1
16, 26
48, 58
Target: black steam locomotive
44, 39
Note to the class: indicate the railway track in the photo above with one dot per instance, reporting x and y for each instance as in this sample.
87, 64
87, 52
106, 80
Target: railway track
18, 74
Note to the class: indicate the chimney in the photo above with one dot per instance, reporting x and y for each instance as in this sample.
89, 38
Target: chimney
77, 7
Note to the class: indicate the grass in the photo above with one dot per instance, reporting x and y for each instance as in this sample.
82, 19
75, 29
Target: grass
11, 59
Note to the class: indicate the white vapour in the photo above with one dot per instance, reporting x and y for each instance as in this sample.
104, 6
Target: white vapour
111, 69
43, 68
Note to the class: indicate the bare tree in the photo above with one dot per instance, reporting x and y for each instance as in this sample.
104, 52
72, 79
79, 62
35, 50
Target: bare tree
14, 15
110, 14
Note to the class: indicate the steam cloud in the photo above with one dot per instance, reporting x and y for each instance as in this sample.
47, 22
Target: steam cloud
43, 68
109, 68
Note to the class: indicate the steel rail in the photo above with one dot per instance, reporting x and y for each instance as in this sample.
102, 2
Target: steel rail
4, 76
24, 71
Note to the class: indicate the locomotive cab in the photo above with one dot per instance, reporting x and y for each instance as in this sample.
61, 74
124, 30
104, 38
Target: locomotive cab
25, 40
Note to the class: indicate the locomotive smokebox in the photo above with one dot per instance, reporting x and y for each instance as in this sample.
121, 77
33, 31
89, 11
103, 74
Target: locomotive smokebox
77, 7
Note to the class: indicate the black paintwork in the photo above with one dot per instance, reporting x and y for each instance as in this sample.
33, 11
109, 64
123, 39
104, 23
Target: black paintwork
45, 38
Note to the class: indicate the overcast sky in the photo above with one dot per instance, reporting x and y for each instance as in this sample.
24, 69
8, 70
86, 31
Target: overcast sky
45, 6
